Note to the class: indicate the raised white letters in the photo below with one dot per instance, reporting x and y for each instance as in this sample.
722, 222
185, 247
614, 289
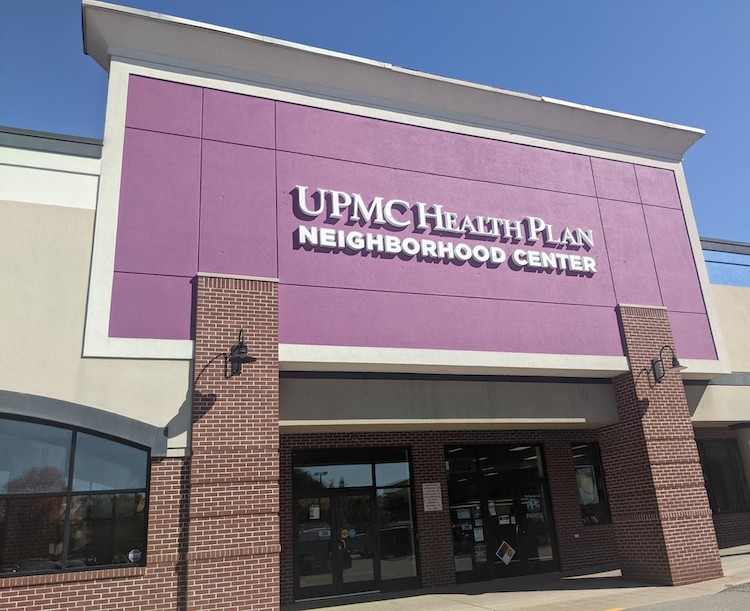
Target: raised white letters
388, 214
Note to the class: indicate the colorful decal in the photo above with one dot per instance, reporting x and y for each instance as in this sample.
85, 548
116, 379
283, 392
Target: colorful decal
505, 552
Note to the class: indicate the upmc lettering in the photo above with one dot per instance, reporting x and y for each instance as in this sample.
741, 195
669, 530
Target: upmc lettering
396, 214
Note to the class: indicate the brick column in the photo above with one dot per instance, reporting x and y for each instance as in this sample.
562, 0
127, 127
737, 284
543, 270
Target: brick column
663, 523
233, 543
435, 543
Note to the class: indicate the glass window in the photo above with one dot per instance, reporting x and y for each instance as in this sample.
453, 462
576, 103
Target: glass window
392, 474
33, 457
106, 529
396, 534
332, 476
592, 492
102, 464
724, 476
38, 503
31, 534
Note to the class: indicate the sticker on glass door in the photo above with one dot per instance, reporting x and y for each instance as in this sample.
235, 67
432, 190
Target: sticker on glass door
505, 552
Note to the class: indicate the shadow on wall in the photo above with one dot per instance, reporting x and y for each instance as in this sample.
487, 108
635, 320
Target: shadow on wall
179, 425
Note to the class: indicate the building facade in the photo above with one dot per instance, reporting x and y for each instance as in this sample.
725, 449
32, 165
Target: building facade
309, 325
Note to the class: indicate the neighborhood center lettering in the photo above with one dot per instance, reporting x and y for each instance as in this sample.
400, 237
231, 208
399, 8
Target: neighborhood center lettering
491, 236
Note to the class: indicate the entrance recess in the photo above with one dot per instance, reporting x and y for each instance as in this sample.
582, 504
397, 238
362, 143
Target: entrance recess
354, 527
500, 512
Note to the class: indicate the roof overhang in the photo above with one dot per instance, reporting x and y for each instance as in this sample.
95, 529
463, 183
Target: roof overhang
183, 45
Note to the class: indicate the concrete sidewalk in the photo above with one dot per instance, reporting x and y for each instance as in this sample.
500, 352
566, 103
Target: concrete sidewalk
604, 591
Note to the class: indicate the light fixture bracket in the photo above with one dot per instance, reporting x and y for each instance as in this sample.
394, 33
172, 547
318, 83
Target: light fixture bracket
659, 368
238, 355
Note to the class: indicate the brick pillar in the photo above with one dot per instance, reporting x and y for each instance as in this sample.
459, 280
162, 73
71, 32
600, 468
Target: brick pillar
435, 543
167, 533
663, 523
233, 544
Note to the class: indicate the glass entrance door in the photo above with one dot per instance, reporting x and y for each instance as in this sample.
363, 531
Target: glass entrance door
502, 524
356, 557
519, 529
335, 544
353, 522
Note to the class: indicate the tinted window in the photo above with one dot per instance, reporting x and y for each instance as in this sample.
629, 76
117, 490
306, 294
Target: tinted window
33, 457
103, 507
592, 493
724, 476
102, 464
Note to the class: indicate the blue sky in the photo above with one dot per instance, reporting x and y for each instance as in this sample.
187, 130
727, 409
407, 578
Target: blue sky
682, 61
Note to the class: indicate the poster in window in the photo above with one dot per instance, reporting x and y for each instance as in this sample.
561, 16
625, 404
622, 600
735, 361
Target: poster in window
587, 490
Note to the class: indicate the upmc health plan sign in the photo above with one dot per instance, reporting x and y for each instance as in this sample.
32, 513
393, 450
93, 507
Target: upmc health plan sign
396, 215
383, 223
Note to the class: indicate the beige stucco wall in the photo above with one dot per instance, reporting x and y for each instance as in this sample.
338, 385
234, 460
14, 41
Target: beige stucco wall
721, 403
733, 305
45, 251
715, 405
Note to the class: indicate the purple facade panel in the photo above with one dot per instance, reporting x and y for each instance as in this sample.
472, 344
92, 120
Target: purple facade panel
238, 213
157, 227
225, 204
161, 106
673, 257
692, 335
300, 266
615, 180
151, 307
629, 253
371, 141
411, 320
240, 119
657, 187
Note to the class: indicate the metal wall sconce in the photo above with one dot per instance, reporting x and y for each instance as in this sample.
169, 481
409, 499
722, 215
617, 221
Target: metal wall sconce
238, 355
658, 367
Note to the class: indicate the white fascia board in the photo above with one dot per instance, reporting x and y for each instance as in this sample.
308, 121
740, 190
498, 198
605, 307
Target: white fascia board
301, 357
443, 424
45, 160
304, 357
230, 54
703, 369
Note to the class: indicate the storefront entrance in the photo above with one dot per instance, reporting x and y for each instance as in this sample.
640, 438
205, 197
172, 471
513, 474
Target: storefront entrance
335, 548
354, 526
500, 512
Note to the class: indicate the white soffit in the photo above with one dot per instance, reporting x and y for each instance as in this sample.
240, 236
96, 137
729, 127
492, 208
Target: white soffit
231, 54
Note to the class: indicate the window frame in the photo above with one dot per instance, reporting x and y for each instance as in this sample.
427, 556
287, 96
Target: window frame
594, 461
69, 494
732, 450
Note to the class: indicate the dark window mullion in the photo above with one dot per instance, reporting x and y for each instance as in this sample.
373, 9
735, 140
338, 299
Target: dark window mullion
68, 504
103, 492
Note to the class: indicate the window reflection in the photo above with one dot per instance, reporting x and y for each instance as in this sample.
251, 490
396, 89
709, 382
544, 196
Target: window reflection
342, 534
590, 479
104, 465
33, 457
396, 534
105, 528
31, 534
38, 503
314, 542
724, 476
332, 476
392, 474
